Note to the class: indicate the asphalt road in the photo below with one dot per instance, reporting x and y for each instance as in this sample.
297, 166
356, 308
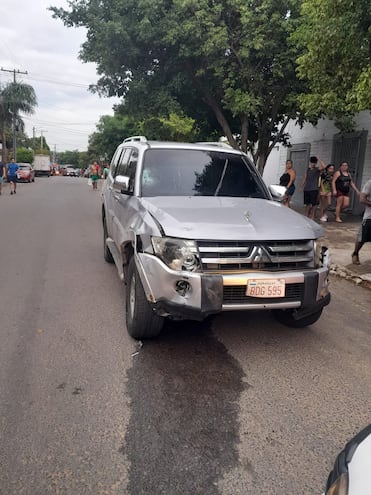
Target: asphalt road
239, 405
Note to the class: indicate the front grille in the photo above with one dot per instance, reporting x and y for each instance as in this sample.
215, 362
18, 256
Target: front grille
222, 256
237, 295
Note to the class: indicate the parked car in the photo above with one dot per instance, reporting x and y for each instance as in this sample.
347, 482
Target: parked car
25, 173
194, 231
351, 474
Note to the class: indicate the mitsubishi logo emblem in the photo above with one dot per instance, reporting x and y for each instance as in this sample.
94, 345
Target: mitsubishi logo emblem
259, 255
247, 216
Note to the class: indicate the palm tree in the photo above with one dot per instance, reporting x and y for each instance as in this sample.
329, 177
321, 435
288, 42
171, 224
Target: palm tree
14, 98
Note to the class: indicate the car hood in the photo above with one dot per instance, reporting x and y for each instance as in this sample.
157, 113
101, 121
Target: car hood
197, 217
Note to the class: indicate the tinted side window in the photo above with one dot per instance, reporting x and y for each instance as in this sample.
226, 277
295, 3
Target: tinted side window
122, 163
115, 160
131, 168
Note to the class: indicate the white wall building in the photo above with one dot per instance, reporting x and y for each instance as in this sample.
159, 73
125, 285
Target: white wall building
325, 142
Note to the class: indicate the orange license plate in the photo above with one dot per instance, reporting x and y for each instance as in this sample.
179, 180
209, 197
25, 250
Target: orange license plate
265, 288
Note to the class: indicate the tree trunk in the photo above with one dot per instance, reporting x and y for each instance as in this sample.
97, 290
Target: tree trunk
213, 104
262, 160
244, 133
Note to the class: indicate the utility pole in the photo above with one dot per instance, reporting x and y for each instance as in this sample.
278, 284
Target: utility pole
42, 139
14, 116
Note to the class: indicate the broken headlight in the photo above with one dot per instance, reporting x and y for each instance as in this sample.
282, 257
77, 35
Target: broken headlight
177, 254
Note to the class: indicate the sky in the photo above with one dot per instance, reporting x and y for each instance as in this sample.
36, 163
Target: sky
32, 41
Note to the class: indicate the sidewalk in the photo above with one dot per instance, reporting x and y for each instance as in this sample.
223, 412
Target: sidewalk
340, 239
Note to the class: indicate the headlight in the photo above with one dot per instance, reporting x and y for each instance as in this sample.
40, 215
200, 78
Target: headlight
340, 486
177, 254
321, 253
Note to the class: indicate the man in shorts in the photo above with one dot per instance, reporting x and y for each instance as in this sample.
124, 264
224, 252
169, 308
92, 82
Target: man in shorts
364, 234
12, 168
310, 186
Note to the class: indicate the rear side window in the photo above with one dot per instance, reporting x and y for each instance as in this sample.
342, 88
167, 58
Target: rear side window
115, 160
132, 168
122, 163
180, 172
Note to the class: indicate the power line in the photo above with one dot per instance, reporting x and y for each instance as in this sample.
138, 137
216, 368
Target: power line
62, 83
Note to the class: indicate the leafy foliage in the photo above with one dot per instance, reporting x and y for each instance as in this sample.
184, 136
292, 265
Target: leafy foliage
25, 155
336, 38
14, 98
68, 157
229, 57
111, 131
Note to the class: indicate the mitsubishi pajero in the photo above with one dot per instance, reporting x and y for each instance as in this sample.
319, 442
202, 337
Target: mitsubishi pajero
194, 231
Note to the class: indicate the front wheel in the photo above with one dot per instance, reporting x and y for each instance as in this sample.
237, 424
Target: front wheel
141, 321
285, 316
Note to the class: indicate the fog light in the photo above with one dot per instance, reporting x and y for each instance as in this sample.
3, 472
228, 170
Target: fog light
182, 287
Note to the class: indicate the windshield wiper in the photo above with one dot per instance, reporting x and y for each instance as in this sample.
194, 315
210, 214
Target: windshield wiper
221, 178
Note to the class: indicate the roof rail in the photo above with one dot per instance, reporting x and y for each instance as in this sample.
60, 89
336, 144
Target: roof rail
219, 144
142, 139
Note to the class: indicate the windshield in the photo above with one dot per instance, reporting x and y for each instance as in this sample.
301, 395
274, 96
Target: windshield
24, 167
177, 172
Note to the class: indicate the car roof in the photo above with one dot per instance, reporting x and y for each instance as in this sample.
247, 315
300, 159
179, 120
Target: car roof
141, 142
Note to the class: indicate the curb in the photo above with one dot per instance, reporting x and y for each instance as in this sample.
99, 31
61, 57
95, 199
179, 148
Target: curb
342, 272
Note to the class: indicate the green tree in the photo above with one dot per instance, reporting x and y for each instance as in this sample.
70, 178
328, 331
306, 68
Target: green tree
232, 56
83, 159
336, 38
14, 98
173, 128
68, 157
111, 131
25, 155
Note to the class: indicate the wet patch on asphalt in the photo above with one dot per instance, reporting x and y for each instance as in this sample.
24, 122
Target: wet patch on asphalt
183, 434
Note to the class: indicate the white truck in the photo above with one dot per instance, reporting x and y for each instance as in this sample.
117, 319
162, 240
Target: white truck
41, 165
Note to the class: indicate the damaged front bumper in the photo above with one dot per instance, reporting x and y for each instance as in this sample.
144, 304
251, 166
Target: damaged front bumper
195, 295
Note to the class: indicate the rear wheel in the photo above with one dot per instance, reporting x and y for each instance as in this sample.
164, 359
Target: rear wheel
286, 317
106, 252
141, 321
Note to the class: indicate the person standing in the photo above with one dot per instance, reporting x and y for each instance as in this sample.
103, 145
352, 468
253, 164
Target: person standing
12, 168
341, 184
94, 174
325, 193
105, 171
310, 186
2, 174
364, 234
287, 180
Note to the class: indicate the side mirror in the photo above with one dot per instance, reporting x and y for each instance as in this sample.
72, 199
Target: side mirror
121, 182
277, 192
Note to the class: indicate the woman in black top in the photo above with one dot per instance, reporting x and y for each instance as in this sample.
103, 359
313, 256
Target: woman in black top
287, 180
341, 184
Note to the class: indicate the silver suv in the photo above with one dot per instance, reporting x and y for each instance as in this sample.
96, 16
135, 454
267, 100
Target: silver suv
194, 231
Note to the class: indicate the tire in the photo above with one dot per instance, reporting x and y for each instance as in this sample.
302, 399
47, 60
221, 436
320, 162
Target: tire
106, 252
141, 322
286, 318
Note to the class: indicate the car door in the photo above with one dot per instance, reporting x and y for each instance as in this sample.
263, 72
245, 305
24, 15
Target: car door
109, 191
125, 203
